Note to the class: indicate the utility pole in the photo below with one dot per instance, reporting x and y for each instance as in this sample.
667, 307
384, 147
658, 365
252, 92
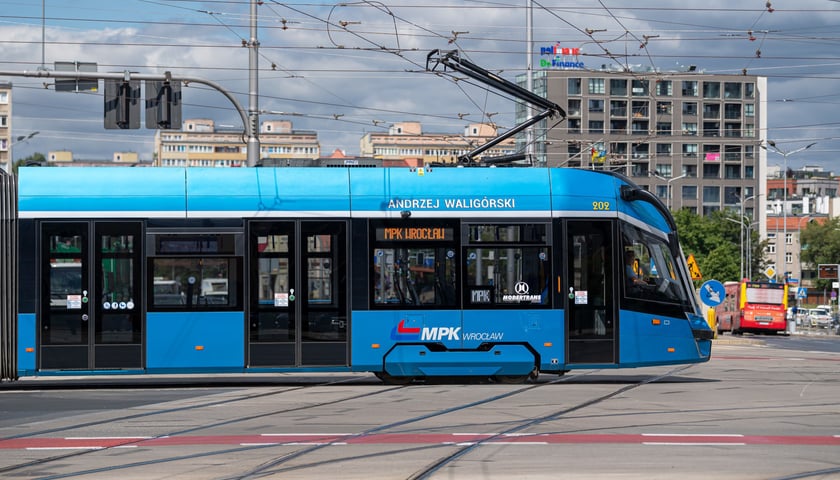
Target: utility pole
529, 79
253, 155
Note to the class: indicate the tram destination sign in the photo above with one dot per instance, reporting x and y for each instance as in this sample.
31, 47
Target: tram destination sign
827, 271
413, 234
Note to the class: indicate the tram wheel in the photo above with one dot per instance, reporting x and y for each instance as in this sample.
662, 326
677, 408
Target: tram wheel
389, 379
511, 379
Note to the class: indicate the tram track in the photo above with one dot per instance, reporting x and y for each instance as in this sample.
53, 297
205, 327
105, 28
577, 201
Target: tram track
269, 468
145, 415
266, 468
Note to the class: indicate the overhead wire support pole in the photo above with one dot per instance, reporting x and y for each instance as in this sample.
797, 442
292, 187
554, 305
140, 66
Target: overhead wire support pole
253, 155
529, 78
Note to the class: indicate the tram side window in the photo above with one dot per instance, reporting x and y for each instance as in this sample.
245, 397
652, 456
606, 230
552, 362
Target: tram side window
414, 276
414, 264
195, 283
507, 265
650, 270
189, 272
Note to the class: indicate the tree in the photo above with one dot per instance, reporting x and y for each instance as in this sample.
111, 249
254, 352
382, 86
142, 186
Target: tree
820, 244
35, 159
715, 241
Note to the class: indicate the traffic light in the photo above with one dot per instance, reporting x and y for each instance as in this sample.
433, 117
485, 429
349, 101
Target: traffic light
121, 104
163, 104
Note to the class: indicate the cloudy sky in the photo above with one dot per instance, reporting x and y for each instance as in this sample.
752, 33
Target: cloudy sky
346, 69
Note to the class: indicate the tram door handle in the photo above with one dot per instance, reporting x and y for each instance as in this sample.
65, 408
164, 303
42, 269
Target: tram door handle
291, 295
85, 317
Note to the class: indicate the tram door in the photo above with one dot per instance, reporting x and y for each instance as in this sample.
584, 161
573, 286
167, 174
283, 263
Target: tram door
298, 306
591, 315
90, 296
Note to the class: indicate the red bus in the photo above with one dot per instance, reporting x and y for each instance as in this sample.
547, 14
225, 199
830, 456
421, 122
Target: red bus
755, 307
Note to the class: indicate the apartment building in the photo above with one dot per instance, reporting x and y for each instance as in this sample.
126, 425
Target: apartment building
200, 143
406, 141
6, 126
691, 138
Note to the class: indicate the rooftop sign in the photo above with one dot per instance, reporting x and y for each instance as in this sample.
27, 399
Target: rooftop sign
562, 58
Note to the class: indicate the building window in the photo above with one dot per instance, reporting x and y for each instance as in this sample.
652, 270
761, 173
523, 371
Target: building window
640, 127
663, 128
689, 108
641, 150
618, 150
663, 149
664, 88
641, 88
789, 238
711, 111
732, 195
574, 86
771, 248
596, 126
689, 192
689, 171
596, 105
4, 97
618, 127
749, 110
618, 108
573, 125
640, 109
4, 121
574, 107
749, 90
732, 153
711, 194
732, 130
689, 149
732, 172
711, 89
663, 170
596, 86
732, 111
732, 90
749, 130
689, 88
711, 171
711, 129
689, 128
618, 87
789, 257
664, 108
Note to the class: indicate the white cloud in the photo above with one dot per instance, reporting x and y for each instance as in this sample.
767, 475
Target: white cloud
378, 74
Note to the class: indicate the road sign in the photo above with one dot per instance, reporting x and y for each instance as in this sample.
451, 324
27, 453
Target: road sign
770, 272
827, 271
801, 292
712, 293
693, 268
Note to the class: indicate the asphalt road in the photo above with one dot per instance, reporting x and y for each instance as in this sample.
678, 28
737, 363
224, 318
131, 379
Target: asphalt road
762, 408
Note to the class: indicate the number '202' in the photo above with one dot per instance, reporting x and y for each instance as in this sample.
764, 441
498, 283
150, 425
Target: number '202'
600, 205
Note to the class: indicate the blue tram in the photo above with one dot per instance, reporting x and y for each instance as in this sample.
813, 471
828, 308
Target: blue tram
405, 273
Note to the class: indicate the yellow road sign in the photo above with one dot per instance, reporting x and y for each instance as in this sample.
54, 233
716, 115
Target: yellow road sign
693, 268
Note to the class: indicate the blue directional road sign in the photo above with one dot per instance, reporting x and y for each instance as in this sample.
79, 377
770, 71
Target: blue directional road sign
712, 293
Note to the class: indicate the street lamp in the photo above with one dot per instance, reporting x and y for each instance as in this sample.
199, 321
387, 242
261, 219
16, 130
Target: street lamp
743, 221
668, 187
15, 141
785, 155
